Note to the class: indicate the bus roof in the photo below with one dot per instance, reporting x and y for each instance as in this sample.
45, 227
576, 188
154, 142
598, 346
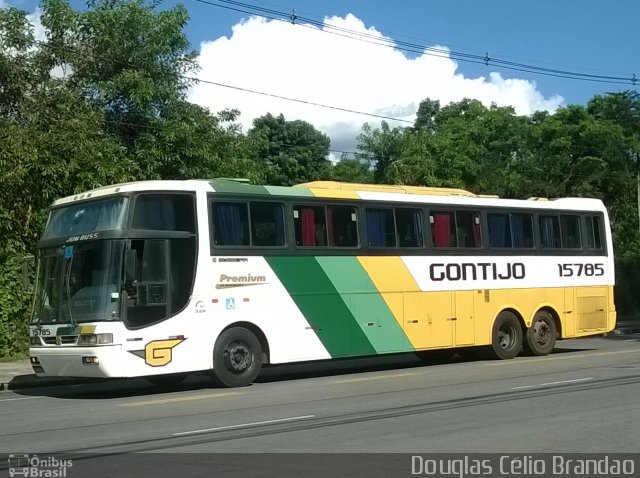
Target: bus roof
341, 190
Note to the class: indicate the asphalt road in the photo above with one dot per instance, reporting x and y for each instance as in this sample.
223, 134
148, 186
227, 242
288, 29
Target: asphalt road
581, 398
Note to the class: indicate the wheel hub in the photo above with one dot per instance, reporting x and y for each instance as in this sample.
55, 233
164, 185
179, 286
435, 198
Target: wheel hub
237, 357
541, 333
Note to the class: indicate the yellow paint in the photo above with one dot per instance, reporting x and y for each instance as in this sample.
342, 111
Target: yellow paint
87, 329
432, 320
159, 352
334, 187
334, 193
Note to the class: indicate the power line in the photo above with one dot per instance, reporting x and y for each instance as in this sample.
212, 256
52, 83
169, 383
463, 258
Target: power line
414, 47
296, 100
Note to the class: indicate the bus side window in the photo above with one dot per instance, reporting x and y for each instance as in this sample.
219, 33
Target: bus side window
342, 226
468, 227
381, 230
594, 232
267, 224
499, 230
550, 232
443, 229
310, 226
165, 212
409, 226
522, 230
570, 227
230, 224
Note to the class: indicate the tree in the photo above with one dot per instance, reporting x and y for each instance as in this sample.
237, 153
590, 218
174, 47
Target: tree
352, 170
291, 152
379, 147
623, 109
101, 100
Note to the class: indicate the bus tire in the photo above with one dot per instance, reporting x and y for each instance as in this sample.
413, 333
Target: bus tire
541, 336
506, 336
237, 358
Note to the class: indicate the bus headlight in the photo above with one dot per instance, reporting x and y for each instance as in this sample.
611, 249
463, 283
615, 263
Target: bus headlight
35, 341
95, 339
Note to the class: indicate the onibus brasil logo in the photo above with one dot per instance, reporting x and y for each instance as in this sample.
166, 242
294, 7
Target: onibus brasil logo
38, 467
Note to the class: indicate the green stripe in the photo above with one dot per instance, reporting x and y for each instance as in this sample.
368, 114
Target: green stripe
229, 186
365, 303
319, 301
286, 191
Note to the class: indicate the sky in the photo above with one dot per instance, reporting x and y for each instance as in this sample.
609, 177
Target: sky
382, 57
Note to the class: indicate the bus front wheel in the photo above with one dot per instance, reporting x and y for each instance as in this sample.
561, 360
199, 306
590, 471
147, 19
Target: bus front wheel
541, 336
237, 358
506, 336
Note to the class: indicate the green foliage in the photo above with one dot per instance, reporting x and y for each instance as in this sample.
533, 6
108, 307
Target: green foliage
290, 151
351, 171
14, 308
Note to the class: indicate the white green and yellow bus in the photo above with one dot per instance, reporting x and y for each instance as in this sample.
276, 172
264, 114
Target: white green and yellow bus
162, 278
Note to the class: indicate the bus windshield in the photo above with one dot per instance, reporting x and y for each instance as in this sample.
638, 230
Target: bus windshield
86, 217
79, 283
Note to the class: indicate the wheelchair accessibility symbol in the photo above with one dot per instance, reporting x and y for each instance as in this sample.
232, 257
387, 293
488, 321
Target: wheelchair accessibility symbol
231, 303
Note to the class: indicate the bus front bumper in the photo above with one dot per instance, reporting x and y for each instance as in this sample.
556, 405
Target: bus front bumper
98, 362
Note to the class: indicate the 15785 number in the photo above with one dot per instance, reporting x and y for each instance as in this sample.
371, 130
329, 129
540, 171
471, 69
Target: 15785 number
570, 270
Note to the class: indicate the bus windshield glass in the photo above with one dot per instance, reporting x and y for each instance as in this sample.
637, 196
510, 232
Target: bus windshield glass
86, 218
79, 283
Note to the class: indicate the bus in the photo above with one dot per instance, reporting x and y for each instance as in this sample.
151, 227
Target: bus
158, 279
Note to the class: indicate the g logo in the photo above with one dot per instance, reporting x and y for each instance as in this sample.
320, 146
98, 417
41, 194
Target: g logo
158, 353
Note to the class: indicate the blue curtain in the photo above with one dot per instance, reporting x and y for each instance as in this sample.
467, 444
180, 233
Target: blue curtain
548, 232
229, 228
498, 230
517, 228
376, 227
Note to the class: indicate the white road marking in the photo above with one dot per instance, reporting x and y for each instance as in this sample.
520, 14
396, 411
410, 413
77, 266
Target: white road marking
378, 377
553, 383
243, 425
179, 399
21, 398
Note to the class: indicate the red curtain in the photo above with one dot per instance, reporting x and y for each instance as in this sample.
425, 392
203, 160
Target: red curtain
330, 226
442, 229
308, 225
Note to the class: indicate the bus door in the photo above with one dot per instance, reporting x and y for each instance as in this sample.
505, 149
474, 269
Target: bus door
591, 309
462, 316
428, 320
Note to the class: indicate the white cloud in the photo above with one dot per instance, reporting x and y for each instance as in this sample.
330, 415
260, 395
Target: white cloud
35, 18
303, 62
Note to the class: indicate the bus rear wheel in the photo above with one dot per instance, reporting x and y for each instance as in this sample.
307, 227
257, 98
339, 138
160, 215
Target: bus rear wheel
541, 336
237, 358
506, 336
